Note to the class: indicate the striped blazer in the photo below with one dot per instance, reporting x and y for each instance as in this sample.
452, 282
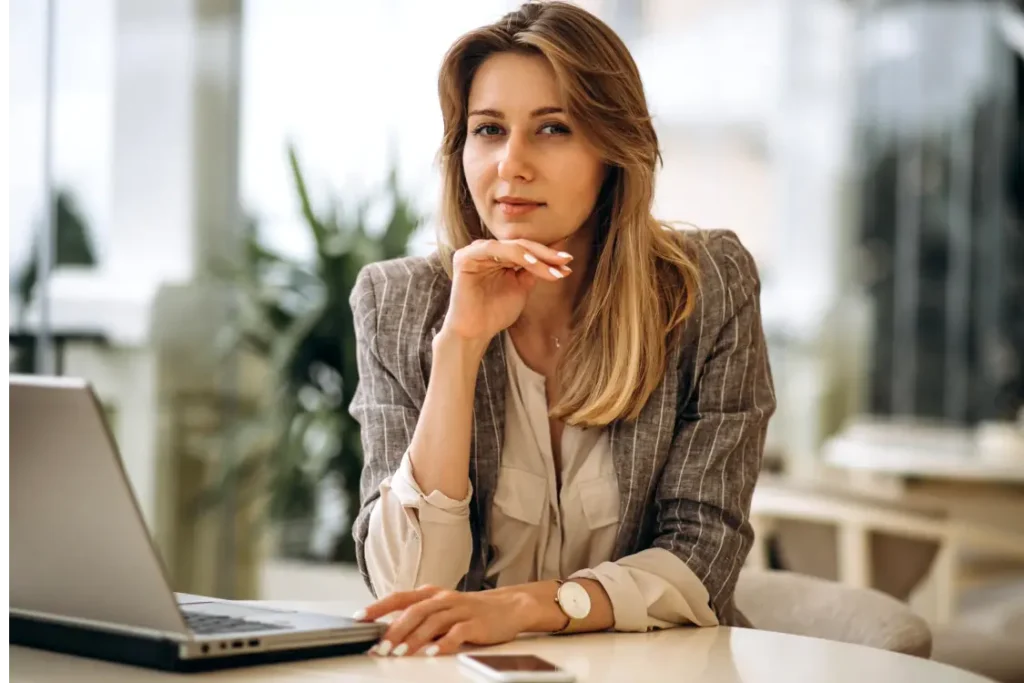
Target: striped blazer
686, 467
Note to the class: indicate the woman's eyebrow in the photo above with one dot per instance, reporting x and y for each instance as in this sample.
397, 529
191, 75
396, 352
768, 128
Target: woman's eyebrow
496, 114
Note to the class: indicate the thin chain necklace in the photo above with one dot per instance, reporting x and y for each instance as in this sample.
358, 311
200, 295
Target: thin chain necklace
554, 338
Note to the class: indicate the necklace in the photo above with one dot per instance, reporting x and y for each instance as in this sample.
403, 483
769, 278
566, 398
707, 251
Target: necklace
554, 338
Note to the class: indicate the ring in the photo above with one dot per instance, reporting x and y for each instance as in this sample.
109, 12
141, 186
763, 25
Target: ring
496, 259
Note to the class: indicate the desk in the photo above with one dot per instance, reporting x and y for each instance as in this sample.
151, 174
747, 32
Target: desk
721, 655
981, 491
955, 458
942, 466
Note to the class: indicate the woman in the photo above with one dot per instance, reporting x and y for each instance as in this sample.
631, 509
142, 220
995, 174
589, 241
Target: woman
563, 411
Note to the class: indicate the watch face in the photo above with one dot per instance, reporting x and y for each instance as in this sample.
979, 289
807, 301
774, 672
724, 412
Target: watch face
574, 600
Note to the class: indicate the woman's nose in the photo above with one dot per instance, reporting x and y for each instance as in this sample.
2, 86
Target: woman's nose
515, 163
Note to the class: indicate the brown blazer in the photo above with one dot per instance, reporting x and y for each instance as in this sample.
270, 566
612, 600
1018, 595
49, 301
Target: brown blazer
686, 468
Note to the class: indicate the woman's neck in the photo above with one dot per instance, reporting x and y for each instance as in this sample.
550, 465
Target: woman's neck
549, 307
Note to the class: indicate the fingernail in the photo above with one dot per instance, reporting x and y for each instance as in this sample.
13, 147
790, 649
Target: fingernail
400, 650
384, 648
556, 272
529, 258
359, 615
565, 254
432, 650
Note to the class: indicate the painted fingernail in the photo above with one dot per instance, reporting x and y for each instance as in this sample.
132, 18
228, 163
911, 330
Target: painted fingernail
529, 258
384, 648
565, 254
400, 650
432, 650
556, 272
359, 615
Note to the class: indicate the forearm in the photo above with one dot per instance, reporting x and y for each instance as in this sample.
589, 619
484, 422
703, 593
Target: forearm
539, 613
406, 550
439, 452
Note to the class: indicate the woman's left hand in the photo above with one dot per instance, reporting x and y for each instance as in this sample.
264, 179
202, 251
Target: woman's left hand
439, 621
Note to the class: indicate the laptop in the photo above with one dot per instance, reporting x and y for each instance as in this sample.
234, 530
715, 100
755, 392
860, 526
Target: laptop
86, 578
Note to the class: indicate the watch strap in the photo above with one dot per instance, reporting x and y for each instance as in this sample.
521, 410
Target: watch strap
569, 620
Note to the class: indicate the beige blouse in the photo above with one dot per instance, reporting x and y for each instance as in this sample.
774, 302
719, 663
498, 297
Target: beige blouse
538, 532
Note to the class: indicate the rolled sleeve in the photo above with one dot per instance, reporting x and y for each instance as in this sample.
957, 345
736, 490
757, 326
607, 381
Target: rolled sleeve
652, 589
433, 508
416, 539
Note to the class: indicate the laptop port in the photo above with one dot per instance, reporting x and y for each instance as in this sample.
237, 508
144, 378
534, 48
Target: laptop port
237, 644
205, 649
254, 643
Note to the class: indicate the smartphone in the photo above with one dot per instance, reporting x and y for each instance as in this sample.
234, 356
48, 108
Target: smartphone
515, 668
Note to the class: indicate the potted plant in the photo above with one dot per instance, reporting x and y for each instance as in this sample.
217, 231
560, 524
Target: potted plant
296, 317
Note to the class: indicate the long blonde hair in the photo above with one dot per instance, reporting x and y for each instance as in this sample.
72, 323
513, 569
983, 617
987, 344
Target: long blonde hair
643, 276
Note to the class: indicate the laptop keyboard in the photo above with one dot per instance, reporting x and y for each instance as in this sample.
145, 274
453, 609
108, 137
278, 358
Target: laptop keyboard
212, 624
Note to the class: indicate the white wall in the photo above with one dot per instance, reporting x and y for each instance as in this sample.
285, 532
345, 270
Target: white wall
348, 82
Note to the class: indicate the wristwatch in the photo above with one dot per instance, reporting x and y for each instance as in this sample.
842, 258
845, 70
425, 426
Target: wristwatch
574, 601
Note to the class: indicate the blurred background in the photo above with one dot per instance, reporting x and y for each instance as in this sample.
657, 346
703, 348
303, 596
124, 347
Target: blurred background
196, 183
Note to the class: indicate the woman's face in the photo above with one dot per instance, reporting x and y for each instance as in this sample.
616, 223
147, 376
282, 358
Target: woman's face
531, 175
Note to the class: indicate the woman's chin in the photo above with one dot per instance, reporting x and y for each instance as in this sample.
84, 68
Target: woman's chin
524, 230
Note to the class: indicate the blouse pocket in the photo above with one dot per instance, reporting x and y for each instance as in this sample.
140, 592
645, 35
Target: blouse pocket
600, 501
521, 495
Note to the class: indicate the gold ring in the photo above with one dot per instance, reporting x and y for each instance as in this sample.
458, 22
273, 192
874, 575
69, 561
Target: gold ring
496, 259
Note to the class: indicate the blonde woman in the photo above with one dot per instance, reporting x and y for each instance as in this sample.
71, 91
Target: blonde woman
563, 410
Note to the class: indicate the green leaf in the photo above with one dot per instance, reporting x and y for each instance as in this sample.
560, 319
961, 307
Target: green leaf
296, 316
312, 221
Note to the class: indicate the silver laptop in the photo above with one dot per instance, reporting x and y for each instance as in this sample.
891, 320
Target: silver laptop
85, 576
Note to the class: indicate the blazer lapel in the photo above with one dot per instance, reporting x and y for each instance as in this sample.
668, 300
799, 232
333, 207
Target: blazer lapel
485, 453
639, 451
488, 425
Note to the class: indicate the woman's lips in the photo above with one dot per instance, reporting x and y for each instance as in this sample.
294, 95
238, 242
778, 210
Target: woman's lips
518, 208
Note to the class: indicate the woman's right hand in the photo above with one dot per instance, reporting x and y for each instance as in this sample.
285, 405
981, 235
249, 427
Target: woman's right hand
491, 281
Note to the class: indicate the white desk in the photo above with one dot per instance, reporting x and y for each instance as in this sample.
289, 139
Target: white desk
937, 454
722, 655
910, 465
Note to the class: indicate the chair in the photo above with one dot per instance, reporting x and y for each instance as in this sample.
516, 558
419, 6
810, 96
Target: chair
889, 545
787, 602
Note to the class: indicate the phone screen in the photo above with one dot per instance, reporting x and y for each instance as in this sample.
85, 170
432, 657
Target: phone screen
514, 663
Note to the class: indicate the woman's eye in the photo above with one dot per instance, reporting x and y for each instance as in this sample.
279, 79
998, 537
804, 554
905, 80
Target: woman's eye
554, 129
487, 130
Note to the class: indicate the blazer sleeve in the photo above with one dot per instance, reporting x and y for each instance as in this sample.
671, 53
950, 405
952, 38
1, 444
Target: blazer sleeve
404, 536
385, 412
704, 494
